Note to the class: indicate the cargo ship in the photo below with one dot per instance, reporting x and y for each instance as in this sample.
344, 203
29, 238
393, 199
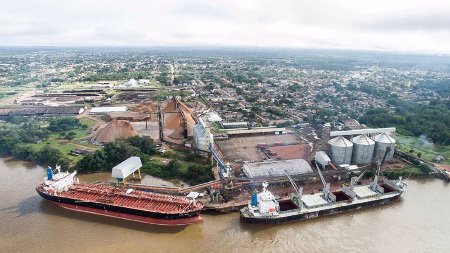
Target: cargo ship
264, 208
64, 189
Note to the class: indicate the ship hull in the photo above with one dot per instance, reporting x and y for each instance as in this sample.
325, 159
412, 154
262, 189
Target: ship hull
296, 216
124, 213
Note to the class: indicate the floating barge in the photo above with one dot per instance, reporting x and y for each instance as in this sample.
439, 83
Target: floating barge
64, 190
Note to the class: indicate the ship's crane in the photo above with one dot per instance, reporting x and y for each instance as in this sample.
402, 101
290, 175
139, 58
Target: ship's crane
292, 182
326, 186
355, 180
299, 191
377, 170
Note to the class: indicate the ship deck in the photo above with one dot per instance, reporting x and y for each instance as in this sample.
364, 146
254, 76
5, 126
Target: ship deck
140, 200
317, 204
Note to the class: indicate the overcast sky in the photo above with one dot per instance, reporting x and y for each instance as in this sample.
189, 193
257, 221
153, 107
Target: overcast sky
420, 26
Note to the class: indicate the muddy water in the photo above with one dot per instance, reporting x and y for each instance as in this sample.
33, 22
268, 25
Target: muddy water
418, 223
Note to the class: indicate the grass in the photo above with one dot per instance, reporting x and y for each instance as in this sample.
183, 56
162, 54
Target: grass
65, 146
406, 172
406, 143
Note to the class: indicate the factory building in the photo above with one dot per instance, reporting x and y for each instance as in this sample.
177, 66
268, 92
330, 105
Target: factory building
105, 110
255, 131
233, 125
42, 111
202, 137
276, 168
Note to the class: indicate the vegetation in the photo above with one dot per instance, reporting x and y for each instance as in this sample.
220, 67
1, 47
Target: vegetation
414, 119
119, 150
16, 139
420, 145
408, 171
64, 124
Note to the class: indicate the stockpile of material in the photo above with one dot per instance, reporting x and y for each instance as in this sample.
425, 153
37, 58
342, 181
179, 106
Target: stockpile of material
174, 120
148, 108
114, 130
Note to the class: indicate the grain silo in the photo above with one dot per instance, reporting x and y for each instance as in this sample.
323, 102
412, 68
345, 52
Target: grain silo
382, 142
363, 148
341, 150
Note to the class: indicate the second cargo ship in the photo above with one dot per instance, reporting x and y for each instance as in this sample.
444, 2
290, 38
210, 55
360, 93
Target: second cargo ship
264, 208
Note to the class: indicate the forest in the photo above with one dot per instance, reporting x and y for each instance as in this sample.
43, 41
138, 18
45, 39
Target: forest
414, 118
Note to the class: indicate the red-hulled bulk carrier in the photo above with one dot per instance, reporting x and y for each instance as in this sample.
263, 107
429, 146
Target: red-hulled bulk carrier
64, 190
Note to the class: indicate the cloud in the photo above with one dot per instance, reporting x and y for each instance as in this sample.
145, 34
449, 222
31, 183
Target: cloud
410, 26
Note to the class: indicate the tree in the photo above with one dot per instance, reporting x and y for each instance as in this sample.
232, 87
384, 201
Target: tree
70, 135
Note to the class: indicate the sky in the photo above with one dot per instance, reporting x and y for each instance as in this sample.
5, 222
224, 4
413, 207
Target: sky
411, 26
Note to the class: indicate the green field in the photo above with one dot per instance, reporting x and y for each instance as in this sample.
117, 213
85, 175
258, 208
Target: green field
66, 146
428, 150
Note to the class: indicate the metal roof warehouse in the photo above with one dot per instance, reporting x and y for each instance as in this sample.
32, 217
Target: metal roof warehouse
105, 110
276, 168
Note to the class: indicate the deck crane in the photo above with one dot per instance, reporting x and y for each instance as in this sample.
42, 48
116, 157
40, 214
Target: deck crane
355, 180
377, 165
327, 195
298, 191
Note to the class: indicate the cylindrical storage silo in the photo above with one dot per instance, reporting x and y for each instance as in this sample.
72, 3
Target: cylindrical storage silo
363, 148
341, 150
384, 141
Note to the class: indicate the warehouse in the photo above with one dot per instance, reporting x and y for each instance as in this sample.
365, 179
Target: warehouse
105, 110
255, 131
276, 168
42, 111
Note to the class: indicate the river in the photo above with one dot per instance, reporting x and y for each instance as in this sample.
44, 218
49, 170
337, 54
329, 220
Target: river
420, 222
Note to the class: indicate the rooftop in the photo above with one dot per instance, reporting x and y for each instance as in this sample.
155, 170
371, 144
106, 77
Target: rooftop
108, 109
276, 168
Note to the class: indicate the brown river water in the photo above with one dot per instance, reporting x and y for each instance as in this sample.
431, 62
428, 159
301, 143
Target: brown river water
420, 222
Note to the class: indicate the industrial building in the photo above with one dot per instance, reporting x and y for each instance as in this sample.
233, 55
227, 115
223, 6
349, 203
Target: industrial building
42, 111
232, 125
202, 137
276, 168
106, 110
126, 168
341, 150
384, 146
254, 131
363, 148
322, 159
366, 145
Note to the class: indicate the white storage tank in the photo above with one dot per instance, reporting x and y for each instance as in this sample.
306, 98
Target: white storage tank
341, 150
382, 142
363, 148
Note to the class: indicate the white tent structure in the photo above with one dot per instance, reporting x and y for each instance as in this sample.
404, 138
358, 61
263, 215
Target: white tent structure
126, 168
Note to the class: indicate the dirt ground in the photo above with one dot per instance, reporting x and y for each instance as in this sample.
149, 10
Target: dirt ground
442, 166
298, 151
394, 164
152, 129
244, 148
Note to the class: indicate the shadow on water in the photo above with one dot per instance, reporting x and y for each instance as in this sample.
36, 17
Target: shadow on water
10, 160
36, 204
25, 207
